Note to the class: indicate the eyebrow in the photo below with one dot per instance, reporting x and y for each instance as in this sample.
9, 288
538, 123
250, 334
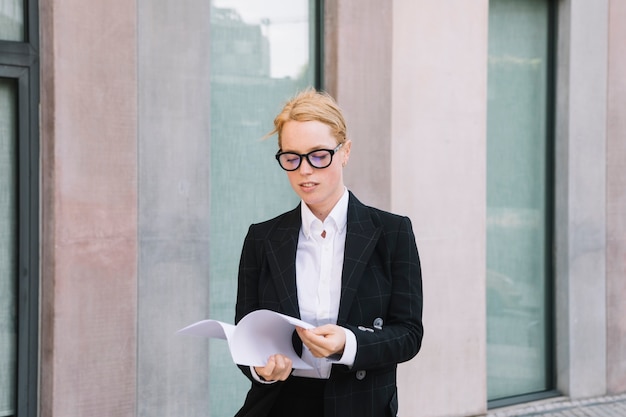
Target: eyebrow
313, 149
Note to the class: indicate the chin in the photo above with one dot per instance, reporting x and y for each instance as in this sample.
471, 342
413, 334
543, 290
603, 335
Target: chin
312, 201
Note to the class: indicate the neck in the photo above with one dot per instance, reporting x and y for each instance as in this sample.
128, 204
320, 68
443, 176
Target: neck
322, 211
320, 214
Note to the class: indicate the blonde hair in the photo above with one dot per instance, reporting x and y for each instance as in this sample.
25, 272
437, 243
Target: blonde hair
311, 105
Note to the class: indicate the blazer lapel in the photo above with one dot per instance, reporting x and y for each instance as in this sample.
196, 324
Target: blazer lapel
281, 249
361, 238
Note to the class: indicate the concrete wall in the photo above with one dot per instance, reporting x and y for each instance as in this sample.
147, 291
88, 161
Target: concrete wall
173, 205
125, 193
581, 198
616, 199
439, 180
358, 56
418, 126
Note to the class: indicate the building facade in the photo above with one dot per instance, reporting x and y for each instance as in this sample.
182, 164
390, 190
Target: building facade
133, 162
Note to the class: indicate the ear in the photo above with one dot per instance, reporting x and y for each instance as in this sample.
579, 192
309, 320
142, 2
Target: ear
346, 152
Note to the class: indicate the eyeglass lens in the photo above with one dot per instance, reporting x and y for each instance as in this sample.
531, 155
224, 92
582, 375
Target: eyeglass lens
318, 159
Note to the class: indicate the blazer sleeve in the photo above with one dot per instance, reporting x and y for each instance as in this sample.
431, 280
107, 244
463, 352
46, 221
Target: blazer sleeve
254, 277
247, 290
249, 271
395, 272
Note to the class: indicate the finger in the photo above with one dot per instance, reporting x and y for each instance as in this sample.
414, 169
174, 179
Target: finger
282, 370
301, 332
323, 342
315, 344
279, 360
267, 370
324, 330
286, 370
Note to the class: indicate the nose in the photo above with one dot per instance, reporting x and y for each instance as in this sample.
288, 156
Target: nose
305, 167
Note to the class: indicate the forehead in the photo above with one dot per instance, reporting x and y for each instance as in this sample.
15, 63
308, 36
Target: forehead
304, 136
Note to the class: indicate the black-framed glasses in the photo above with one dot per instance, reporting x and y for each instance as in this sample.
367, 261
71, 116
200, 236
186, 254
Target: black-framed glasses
319, 158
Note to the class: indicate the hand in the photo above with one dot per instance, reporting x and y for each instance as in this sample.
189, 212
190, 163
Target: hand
323, 341
277, 368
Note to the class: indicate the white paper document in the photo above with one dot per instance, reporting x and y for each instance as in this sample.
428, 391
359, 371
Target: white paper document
258, 336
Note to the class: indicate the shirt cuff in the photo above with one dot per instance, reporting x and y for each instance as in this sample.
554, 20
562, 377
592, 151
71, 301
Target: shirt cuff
257, 378
349, 351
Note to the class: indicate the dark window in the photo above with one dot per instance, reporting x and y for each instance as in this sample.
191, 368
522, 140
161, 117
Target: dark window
19, 202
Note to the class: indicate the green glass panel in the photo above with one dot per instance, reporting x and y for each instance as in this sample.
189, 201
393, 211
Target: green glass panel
517, 254
261, 55
8, 245
12, 20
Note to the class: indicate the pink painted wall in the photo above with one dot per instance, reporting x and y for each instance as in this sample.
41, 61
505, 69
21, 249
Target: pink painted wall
89, 193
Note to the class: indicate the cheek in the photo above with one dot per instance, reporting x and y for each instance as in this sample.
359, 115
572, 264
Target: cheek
292, 179
336, 174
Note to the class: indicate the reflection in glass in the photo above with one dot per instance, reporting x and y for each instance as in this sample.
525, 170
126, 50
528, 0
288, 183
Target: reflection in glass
12, 20
8, 245
261, 55
517, 214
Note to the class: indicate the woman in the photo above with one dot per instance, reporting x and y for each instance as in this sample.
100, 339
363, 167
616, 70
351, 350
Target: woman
350, 269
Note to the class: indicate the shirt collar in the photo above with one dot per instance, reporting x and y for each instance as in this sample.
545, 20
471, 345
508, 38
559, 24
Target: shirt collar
338, 215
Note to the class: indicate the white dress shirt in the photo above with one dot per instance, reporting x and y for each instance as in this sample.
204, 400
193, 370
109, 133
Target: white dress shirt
319, 265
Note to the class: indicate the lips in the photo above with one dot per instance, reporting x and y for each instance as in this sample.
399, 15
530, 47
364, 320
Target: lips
308, 185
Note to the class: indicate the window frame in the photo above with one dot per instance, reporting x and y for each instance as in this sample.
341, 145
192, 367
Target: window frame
318, 47
20, 61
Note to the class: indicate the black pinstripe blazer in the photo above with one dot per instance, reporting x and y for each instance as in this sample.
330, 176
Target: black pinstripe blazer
381, 302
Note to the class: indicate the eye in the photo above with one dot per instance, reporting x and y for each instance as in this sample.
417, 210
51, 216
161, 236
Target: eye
290, 159
320, 156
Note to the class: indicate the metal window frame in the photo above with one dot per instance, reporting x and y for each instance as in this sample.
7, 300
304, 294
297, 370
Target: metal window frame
318, 48
20, 61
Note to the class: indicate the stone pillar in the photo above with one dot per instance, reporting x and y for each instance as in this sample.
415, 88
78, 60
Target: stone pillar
616, 200
174, 209
438, 171
580, 218
357, 53
89, 201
